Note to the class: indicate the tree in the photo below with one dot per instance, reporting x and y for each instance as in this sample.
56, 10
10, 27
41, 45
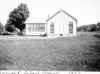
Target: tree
18, 16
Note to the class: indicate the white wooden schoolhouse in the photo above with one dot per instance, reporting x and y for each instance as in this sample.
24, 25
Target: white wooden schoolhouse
59, 24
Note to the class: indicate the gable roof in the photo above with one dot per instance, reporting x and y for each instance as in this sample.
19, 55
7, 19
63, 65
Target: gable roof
60, 12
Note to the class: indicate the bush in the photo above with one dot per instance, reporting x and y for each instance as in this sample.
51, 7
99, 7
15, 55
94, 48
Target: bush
6, 33
89, 28
97, 35
20, 33
10, 28
44, 35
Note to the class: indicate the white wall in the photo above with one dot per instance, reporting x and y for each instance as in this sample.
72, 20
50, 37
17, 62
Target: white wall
61, 22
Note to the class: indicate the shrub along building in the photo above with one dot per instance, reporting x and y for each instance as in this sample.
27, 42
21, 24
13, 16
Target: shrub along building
59, 24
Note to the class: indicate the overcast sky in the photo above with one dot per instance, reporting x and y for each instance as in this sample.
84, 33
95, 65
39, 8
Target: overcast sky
86, 11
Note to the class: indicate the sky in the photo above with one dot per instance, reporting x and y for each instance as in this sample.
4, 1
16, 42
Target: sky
85, 11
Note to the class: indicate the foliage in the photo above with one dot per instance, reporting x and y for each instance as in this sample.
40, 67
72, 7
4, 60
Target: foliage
10, 28
89, 28
17, 17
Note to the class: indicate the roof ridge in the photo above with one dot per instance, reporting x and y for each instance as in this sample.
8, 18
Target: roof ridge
61, 10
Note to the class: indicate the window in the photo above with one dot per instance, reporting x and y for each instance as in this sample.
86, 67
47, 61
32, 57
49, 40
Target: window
33, 27
70, 27
29, 28
52, 27
36, 27
42, 27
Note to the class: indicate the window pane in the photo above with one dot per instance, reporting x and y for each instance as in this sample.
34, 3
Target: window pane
29, 28
33, 27
70, 27
42, 27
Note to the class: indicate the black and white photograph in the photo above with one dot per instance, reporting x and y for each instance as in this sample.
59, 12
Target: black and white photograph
50, 35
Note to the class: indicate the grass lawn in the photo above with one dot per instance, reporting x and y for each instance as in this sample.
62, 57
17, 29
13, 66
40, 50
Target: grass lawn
67, 53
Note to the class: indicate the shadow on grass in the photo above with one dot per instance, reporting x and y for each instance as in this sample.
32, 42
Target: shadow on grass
97, 35
95, 58
86, 61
